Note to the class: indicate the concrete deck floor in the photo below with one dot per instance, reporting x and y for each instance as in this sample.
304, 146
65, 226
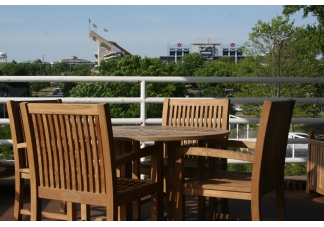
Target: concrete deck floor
300, 206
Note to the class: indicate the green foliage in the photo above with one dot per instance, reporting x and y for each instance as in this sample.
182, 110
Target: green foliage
295, 169
189, 64
290, 169
81, 70
6, 151
239, 167
317, 31
36, 87
278, 48
108, 67
129, 66
58, 69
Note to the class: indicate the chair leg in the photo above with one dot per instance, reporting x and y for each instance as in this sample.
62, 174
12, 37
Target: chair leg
19, 198
112, 212
155, 207
63, 207
71, 211
256, 209
201, 208
281, 207
212, 209
137, 210
224, 204
213, 203
35, 208
85, 212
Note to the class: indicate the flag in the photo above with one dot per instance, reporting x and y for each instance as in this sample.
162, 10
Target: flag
89, 20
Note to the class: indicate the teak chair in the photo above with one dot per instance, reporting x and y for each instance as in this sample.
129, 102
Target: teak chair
268, 165
71, 158
208, 113
20, 156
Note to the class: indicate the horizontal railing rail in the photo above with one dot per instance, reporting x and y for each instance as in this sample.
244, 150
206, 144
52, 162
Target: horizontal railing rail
143, 99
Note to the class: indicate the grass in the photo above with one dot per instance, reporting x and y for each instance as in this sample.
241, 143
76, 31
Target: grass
47, 90
43, 92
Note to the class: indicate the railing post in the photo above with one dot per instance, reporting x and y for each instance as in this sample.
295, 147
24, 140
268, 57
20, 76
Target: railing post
143, 103
143, 115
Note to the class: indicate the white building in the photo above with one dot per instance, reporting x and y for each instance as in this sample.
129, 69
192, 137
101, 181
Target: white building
73, 61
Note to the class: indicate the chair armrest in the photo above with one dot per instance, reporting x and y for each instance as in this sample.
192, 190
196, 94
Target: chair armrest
232, 143
135, 155
216, 153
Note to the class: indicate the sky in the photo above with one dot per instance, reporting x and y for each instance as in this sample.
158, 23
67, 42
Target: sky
60, 30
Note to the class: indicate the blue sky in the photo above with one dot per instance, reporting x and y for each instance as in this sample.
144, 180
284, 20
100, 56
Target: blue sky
29, 32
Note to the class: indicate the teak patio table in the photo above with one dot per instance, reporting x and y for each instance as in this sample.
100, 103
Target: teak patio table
169, 137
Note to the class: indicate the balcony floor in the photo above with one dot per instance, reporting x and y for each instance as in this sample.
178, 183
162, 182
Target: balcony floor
300, 206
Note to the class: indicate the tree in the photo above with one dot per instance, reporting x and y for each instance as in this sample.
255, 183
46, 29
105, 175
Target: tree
315, 10
108, 67
130, 66
276, 49
189, 64
216, 68
59, 68
36, 87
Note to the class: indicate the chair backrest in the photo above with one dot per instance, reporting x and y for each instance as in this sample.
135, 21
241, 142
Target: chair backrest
271, 145
69, 152
16, 128
208, 113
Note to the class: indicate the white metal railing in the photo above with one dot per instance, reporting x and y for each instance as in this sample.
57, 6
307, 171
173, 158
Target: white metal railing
143, 99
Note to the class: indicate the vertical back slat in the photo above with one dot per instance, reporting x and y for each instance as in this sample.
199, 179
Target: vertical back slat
89, 155
95, 154
60, 155
83, 153
55, 144
77, 126
100, 149
50, 141
65, 151
42, 157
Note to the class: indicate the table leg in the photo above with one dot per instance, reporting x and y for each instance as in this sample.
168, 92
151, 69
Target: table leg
174, 181
157, 176
136, 175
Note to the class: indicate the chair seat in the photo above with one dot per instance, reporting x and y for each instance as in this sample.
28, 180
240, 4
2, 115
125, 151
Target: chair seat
222, 180
132, 189
125, 186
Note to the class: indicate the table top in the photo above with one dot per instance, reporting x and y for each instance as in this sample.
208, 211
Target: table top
166, 133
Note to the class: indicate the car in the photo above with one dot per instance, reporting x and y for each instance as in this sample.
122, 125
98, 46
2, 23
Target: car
297, 135
58, 88
298, 149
